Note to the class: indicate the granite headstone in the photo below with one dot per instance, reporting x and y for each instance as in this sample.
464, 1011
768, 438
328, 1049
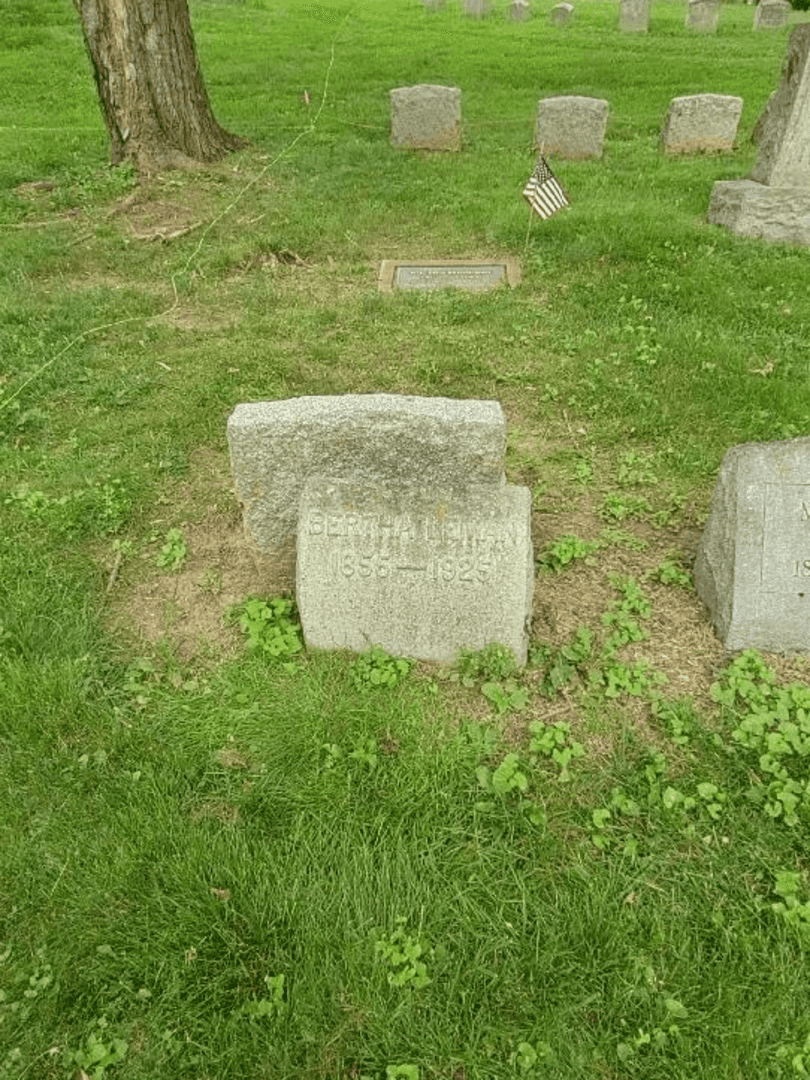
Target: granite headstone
426, 117
571, 126
753, 563
774, 202
701, 122
421, 571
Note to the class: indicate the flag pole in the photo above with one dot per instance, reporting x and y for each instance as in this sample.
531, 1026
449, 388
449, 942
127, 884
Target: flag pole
529, 223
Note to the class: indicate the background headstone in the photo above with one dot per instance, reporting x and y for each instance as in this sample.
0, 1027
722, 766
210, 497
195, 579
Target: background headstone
753, 564
420, 571
476, 9
634, 16
701, 122
434, 5
702, 15
771, 14
519, 10
571, 126
276, 445
426, 117
561, 14
774, 203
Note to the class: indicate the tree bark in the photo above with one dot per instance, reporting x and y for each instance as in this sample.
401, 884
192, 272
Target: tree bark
150, 86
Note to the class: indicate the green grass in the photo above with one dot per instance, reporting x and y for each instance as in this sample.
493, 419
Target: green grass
178, 834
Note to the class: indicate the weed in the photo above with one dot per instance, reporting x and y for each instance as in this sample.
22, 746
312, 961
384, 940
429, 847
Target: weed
173, 553
403, 954
493, 662
375, 669
506, 696
771, 733
270, 1006
554, 741
510, 778
610, 537
620, 507
100, 1050
670, 573
270, 627
565, 550
401, 1072
562, 665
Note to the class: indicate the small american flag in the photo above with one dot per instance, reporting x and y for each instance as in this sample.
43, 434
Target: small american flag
544, 191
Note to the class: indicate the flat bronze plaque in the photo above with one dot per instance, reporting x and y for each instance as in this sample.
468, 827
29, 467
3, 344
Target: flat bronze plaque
472, 275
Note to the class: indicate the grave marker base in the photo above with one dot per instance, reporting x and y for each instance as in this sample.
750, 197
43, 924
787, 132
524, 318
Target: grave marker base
777, 214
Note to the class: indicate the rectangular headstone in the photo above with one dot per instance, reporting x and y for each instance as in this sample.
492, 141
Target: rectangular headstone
561, 14
476, 9
634, 16
277, 445
472, 275
571, 126
753, 564
701, 122
771, 14
702, 16
519, 10
419, 571
426, 117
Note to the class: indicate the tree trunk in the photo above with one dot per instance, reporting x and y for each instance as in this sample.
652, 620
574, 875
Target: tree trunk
150, 86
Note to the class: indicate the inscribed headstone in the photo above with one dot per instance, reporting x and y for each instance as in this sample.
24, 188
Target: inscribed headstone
774, 203
561, 14
701, 122
519, 10
472, 275
276, 445
571, 126
753, 564
422, 572
702, 15
634, 16
426, 117
771, 14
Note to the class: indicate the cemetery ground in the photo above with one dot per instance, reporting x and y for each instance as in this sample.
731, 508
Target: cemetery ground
226, 857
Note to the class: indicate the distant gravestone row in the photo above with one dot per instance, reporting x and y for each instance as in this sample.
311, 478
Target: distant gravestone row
569, 126
392, 518
634, 15
774, 202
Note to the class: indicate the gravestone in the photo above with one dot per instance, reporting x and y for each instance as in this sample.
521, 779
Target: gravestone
472, 275
276, 446
561, 14
434, 5
476, 9
701, 122
634, 16
426, 117
421, 571
753, 563
702, 16
519, 10
571, 126
774, 202
771, 14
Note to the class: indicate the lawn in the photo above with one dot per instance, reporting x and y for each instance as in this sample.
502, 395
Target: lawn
225, 857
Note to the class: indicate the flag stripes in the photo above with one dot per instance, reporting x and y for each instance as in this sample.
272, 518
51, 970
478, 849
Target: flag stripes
544, 192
